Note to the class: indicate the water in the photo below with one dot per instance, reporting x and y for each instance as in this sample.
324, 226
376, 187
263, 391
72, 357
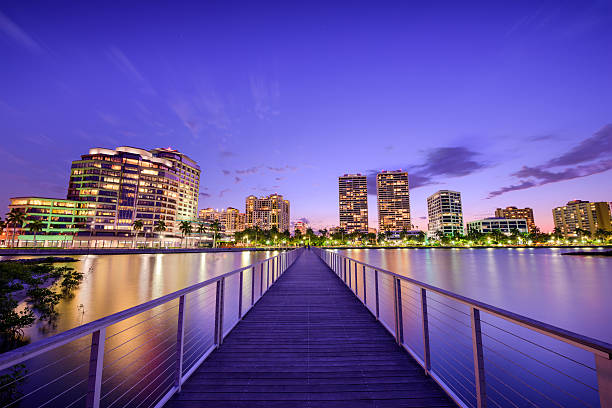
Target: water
571, 292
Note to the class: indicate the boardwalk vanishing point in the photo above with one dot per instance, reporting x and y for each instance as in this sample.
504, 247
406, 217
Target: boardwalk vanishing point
309, 342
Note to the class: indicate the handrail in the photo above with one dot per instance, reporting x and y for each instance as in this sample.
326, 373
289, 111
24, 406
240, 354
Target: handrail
586, 343
484, 353
20, 354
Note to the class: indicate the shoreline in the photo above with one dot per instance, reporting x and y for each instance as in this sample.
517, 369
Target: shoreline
142, 251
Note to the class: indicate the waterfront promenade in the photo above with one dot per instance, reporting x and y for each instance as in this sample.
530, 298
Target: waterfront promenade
310, 342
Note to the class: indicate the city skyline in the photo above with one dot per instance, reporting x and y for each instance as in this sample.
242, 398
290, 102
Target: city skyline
522, 118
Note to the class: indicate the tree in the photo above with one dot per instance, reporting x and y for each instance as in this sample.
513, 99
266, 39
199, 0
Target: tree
201, 230
185, 228
36, 226
137, 225
2, 226
160, 226
16, 217
215, 226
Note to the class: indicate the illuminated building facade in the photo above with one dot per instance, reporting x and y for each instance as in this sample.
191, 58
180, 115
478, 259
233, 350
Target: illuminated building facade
393, 201
126, 184
61, 218
585, 215
505, 225
267, 212
231, 220
188, 173
300, 226
445, 213
517, 213
353, 203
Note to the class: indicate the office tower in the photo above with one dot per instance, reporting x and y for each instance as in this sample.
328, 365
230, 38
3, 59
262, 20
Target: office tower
231, 219
505, 225
125, 184
393, 201
444, 213
517, 213
585, 215
188, 173
267, 212
353, 202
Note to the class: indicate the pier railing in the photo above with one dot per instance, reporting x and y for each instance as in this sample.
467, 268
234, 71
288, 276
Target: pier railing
479, 354
141, 356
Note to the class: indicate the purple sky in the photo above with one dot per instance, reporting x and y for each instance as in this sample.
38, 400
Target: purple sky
509, 105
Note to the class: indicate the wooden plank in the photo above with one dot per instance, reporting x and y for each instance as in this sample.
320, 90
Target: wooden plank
309, 340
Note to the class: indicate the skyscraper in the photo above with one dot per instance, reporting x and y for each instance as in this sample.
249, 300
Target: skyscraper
445, 213
514, 213
393, 201
588, 216
188, 173
231, 220
267, 212
353, 202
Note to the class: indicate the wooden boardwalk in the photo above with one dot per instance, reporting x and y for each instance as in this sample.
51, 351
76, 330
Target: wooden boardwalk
309, 342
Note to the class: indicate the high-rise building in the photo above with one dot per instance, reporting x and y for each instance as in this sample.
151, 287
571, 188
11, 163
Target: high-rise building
517, 213
445, 213
505, 225
125, 184
188, 173
231, 219
353, 202
393, 201
267, 212
588, 216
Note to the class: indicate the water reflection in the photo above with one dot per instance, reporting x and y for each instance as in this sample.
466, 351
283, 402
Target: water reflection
567, 291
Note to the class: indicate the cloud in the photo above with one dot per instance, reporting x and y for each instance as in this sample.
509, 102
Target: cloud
222, 192
304, 220
227, 154
444, 162
202, 110
125, 65
204, 195
591, 156
279, 178
108, 118
286, 167
17, 34
266, 95
237, 180
422, 218
226, 172
250, 170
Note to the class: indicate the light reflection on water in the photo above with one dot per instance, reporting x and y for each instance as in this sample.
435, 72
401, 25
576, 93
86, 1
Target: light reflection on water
571, 292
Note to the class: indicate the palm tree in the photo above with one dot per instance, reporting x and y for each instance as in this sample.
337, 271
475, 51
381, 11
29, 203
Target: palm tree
16, 217
160, 226
137, 225
215, 225
185, 228
36, 226
201, 230
2, 226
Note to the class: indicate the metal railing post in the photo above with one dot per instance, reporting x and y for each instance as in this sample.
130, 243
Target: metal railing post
356, 281
180, 344
365, 301
261, 280
376, 291
479, 373
219, 312
267, 275
349, 275
603, 366
96, 365
399, 322
240, 297
344, 271
426, 349
252, 286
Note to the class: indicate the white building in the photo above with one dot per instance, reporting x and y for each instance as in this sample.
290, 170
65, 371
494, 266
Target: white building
445, 213
504, 225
